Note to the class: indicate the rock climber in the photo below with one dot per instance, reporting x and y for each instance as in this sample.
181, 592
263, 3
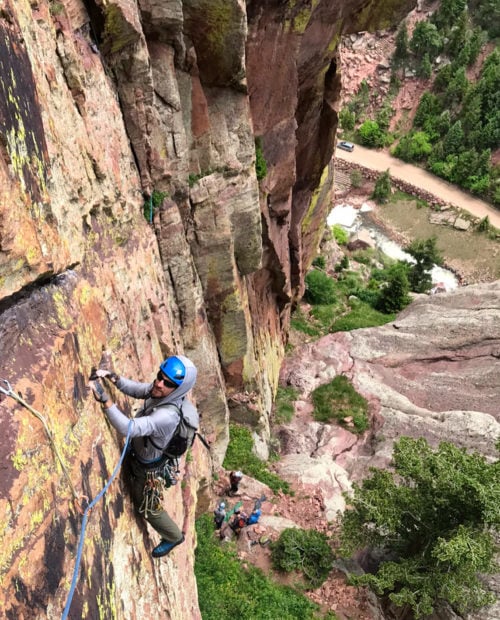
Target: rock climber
254, 517
239, 521
153, 428
234, 480
219, 515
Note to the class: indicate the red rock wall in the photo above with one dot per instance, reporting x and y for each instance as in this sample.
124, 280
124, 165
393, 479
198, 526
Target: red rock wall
104, 104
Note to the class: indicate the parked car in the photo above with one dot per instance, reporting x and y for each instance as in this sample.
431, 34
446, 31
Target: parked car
346, 146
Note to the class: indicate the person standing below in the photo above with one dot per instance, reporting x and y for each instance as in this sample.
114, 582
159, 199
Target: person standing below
219, 515
152, 429
234, 480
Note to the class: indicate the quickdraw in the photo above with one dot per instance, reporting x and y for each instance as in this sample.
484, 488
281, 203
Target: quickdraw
8, 391
157, 480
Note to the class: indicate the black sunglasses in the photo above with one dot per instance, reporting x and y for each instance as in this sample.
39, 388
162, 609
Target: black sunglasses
165, 380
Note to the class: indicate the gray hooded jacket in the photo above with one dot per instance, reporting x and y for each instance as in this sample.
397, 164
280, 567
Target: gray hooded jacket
156, 419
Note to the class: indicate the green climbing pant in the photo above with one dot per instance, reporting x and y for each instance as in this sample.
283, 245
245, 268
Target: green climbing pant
157, 518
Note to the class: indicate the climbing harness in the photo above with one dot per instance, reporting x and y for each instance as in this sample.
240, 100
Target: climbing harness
157, 480
8, 391
85, 519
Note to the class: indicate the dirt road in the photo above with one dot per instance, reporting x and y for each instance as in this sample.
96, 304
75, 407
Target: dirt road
378, 160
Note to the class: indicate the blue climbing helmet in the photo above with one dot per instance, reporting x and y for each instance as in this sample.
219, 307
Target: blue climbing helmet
174, 370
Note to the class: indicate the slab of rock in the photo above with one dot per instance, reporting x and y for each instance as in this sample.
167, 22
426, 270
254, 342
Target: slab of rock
461, 224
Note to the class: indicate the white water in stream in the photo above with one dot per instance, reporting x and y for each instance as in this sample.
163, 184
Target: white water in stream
351, 220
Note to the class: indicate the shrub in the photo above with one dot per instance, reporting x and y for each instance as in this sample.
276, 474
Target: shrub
382, 189
226, 590
433, 519
283, 404
338, 400
393, 296
341, 236
239, 455
307, 551
320, 288
356, 178
260, 162
319, 262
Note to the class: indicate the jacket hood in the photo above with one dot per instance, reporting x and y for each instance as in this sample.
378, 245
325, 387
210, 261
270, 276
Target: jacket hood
177, 396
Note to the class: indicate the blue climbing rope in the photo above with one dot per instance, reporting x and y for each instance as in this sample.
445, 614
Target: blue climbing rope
85, 519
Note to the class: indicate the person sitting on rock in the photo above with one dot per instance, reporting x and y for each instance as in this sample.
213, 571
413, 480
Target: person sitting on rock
219, 515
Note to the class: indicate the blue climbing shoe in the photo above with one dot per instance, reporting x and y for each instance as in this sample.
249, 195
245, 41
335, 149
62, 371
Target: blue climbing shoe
166, 547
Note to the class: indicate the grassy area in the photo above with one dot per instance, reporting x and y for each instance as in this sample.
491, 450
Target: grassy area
240, 456
470, 252
338, 400
361, 315
227, 591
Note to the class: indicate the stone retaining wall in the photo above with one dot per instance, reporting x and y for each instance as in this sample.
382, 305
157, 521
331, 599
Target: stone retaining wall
433, 201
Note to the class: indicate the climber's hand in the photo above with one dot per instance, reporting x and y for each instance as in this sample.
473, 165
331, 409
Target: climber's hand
100, 373
99, 393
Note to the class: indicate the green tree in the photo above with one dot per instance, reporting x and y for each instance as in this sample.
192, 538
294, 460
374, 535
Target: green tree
424, 69
382, 189
428, 108
454, 139
431, 518
370, 134
393, 295
347, 119
456, 89
401, 50
426, 255
426, 40
413, 147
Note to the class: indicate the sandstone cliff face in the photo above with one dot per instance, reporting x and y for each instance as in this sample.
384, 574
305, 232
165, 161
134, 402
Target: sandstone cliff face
106, 105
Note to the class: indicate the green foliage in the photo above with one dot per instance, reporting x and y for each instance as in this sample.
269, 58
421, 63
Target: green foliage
56, 8
300, 322
341, 236
307, 551
260, 162
356, 178
153, 203
432, 519
283, 404
401, 50
414, 146
361, 315
372, 135
426, 40
320, 288
426, 255
424, 69
347, 119
339, 400
239, 455
343, 264
484, 225
319, 262
382, 189
227, 591
393, 297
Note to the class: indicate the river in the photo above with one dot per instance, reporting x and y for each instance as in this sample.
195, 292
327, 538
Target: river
354, 222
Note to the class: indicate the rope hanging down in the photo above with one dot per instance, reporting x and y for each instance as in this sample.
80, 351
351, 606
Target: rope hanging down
8, 391
85, 519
